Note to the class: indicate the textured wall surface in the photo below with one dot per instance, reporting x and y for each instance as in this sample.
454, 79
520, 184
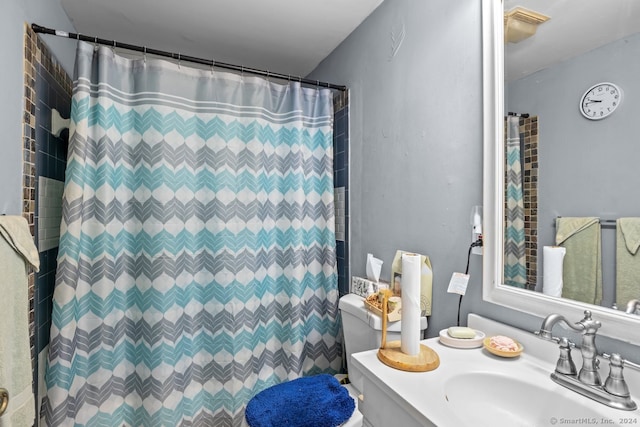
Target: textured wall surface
414, 74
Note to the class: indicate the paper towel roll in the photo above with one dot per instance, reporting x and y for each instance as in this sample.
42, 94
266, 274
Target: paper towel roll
410, 315
553, 258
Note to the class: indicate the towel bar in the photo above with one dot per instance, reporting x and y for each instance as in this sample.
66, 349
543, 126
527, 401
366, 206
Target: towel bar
4, 400
603, 222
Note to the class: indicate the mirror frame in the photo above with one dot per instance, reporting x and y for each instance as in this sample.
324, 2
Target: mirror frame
615, 324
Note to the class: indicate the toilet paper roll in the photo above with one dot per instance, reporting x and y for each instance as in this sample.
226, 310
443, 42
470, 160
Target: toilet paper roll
410, 315
552, 258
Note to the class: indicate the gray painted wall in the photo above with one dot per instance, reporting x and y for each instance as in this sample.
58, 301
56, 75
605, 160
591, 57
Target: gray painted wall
587, 168
12, 19
416, 145
414, 71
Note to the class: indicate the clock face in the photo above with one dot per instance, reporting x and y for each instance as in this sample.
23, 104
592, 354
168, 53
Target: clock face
600, 100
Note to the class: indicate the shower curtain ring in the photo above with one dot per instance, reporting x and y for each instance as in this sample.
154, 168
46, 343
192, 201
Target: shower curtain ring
213, 64
179, 59
144, 55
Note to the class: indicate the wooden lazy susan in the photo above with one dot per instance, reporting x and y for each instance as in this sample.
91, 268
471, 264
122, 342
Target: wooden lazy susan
391, 355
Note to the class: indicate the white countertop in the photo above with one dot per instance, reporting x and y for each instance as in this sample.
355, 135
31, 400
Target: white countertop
423, 395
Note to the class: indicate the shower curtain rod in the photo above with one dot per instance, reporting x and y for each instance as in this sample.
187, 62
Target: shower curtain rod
76, 36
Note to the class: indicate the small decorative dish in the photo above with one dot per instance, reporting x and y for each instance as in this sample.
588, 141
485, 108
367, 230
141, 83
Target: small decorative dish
450, 341
500, 352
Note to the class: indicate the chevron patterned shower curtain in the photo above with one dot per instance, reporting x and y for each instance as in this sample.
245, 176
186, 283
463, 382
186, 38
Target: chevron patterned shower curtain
197, 256
515, 267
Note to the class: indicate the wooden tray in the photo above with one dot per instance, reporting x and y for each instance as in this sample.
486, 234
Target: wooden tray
394, 316
391, 353
426, 359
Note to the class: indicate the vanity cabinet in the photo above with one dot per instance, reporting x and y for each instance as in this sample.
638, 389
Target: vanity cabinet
383, 406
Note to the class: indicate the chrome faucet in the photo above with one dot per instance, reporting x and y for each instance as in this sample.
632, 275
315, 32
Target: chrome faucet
588, 327
633, 306
587, 382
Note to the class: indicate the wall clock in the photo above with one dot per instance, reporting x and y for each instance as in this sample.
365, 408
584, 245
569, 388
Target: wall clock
600, 101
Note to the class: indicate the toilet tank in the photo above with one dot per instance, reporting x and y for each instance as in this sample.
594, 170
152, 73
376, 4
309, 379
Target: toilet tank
362, 331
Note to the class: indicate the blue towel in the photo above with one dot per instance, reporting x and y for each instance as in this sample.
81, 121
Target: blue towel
316, 401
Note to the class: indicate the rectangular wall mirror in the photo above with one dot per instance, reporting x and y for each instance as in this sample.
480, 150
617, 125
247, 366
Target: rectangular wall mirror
571, 163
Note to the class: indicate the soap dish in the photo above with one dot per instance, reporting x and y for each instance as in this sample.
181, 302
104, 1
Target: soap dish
474, 342
501, 353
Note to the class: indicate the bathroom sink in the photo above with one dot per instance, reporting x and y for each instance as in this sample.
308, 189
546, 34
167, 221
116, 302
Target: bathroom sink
473, 387
491, 398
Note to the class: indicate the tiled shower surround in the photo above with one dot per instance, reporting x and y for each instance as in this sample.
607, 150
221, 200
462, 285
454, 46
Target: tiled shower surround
46, 86
341, 184
529, 131
529, 142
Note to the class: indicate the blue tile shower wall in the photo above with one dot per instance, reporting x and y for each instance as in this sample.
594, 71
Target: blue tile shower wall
341, 182
51, 160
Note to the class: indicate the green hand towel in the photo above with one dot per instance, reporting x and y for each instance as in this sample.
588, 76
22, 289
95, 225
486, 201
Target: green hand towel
627, 261
582, 268
17, 250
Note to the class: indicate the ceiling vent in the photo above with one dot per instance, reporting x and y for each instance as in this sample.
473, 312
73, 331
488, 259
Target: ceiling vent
521, 23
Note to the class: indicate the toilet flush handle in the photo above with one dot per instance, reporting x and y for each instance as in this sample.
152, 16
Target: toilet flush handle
4, 400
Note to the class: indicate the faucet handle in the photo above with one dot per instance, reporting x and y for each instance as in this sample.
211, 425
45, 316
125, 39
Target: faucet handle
615, 383
624, 362
565, 364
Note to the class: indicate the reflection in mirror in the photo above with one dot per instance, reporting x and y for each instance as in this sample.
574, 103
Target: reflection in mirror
582, 185
571, 152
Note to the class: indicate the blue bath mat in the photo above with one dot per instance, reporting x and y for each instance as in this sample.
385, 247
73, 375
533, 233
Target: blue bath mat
316, 401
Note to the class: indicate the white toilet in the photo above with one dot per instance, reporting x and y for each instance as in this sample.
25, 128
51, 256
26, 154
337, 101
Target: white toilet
363, 331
